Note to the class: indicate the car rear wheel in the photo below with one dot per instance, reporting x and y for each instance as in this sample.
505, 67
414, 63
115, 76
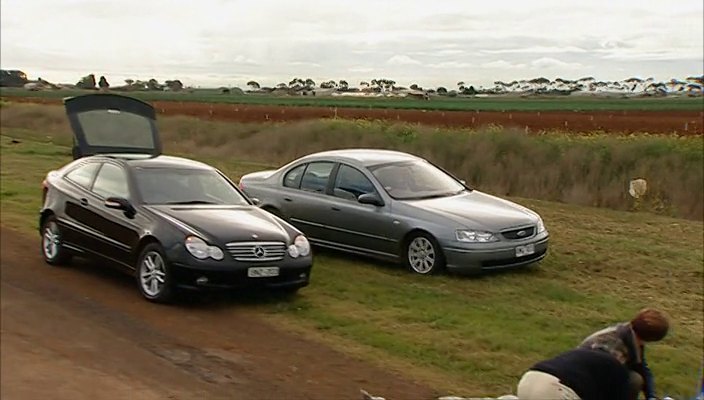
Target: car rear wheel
423, 254
52, 243
153, 275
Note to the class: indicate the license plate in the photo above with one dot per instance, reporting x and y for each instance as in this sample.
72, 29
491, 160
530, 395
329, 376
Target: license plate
525, 250
262, 272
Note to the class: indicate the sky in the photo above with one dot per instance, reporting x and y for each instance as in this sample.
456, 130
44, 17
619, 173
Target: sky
212, 43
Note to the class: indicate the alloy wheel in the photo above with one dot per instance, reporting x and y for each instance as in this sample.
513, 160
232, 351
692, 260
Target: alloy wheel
152, 274
51, 241
421, 255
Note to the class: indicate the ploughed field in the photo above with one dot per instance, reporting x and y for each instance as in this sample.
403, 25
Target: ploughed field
682, 117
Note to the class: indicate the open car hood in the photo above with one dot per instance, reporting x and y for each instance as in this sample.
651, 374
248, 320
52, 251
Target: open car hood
110, 123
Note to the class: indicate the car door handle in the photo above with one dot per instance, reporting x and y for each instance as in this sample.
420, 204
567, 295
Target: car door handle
287, 199
335, 208
84, 201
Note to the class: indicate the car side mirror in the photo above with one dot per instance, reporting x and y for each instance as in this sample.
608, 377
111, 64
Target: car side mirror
371, 198
120, 203
255, 201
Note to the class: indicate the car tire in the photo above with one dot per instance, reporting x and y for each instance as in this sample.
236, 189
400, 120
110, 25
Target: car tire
423, 254
52, 245
154, 276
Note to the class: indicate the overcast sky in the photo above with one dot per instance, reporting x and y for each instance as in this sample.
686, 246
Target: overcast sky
429, 42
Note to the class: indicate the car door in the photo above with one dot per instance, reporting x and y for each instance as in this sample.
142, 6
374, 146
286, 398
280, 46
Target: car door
111, 123
76, 190
116, 233
303, 193
360, 226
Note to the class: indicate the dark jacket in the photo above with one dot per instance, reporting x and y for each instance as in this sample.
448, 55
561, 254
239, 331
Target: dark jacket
592, 374
619, 340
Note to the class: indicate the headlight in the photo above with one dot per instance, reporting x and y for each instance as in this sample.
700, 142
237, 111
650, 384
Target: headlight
471, 236
541, 225
300, 247
201, 250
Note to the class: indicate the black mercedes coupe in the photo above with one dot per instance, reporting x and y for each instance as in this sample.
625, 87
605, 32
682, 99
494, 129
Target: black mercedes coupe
171, 222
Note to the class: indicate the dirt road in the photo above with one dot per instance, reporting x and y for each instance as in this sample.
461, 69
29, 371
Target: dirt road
83, 332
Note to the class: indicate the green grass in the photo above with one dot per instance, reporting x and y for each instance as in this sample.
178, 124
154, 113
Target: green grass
585, 169
469, 336
513, 103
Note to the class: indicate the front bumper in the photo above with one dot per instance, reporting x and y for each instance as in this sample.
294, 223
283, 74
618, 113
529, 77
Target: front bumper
230, 277
499, 256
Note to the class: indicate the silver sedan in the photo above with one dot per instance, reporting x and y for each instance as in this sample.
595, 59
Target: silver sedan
400, 207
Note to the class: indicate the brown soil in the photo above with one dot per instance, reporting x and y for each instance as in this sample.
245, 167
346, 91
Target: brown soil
679, 122
84, 332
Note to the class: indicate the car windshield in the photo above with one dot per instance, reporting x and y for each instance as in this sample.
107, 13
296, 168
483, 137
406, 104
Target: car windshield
416, 180
186, 186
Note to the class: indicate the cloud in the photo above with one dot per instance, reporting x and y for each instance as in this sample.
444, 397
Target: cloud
304, 64
501, 64
452, 65
553, 63
537, 49
361, 69
402, 60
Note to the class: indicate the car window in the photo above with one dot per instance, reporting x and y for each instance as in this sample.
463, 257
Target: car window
185, 186
293, 177
415, 180
111, 182
351, 183
83, 175
315, 179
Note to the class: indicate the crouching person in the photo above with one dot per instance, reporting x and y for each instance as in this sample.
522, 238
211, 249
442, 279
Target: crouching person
628, 339
578, 374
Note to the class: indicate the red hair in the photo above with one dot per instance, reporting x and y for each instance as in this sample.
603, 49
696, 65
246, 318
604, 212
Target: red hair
650, 325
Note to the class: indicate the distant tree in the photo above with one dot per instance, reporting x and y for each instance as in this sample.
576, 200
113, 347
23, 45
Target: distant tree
364, 84
415, 87
452, 93
103, 83
343, 84
87, 82
469, 91
282, 85
460, 84
309, 83
253, 84
174, 85
441, 90
328, 84
153, 84
129, 82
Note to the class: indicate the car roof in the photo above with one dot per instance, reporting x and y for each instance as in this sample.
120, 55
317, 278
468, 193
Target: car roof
147, 161
366, 157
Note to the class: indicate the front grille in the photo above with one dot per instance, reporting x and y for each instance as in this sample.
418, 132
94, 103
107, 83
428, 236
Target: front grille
521, 233
257, 251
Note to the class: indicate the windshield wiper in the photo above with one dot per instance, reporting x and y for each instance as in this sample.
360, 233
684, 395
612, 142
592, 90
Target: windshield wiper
190, 202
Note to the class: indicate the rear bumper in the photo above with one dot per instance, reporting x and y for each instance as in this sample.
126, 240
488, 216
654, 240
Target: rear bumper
465, 261
188, 277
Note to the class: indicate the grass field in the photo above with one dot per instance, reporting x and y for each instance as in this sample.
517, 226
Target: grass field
514, 103
467, 336
585, 169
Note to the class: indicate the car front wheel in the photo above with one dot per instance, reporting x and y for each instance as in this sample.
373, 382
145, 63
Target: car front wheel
423, 255
52, 243
153, 275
